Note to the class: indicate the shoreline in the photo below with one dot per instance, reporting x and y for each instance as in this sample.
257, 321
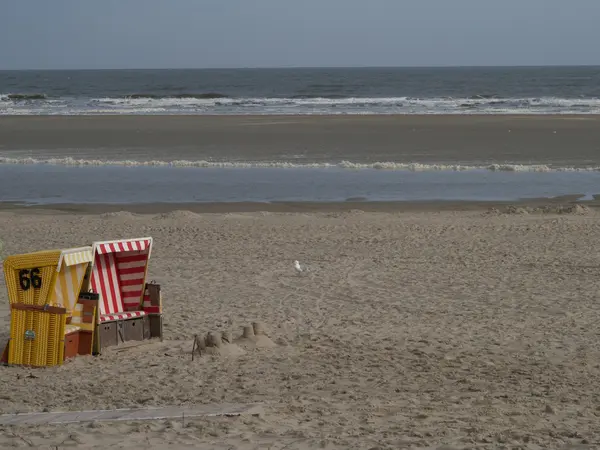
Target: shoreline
296, 207
280, 116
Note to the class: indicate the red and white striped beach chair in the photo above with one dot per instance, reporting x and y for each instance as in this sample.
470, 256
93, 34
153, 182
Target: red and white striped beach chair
118, 275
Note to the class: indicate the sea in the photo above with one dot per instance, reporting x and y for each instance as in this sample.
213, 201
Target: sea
497, 90
296, 91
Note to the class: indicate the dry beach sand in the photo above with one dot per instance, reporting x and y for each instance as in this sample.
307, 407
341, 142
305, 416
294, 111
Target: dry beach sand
452, 329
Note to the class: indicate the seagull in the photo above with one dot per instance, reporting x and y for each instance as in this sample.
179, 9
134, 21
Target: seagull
297, 266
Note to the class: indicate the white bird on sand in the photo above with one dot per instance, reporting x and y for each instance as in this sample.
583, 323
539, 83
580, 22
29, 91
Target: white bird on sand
297, 266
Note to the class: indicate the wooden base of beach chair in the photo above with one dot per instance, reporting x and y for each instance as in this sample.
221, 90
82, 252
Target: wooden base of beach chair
71, 345
146, 321
120, 331
155, 326
108, 334
133, 329
86, 342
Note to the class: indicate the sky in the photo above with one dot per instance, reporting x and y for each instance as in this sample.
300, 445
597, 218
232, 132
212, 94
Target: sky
105, 34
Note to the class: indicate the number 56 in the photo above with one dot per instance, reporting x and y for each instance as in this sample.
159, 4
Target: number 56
29, 278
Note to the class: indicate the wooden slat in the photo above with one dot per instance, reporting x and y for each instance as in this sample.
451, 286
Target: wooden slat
39, 308
171, 412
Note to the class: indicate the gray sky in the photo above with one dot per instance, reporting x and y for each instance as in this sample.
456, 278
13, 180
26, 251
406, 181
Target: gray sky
54, 34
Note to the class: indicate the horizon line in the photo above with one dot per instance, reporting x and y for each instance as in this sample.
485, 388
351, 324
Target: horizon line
485, 66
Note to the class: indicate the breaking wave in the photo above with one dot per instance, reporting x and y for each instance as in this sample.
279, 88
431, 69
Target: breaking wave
302, 103
207, 95
397, 166
441, 104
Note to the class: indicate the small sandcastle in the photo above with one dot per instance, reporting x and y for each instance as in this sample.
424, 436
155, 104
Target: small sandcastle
221, 343
254, 336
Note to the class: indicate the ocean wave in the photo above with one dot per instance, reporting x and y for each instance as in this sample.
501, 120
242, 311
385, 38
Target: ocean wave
392, 166
206, 95
22, 97
220, 103
484, 96
317, 96
441, 104
329, 102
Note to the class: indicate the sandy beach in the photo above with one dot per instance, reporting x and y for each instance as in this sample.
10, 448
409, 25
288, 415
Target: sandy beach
417, 329
543, 139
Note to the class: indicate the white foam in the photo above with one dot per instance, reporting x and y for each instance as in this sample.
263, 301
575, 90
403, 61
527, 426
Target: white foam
412, 167
305, 106
392, 104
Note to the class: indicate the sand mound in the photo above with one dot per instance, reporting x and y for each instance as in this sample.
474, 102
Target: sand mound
576, 209
255, 336
177, 215
510, 210
492, 212
225, 350
516, 210
118, 214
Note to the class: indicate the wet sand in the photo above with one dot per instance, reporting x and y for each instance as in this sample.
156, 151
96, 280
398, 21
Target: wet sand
556, 140
420, 330
297, 207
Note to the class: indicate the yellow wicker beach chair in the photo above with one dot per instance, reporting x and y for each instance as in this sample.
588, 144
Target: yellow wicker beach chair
43, 290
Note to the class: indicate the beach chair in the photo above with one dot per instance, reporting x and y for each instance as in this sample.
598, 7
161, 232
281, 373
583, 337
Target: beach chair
43, 290
118, 277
